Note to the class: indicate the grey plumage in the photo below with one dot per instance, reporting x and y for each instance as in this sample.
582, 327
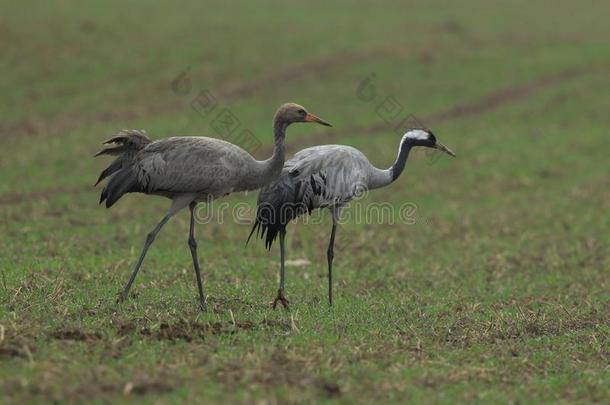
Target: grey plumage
189, 170
327, 176
317, 177
205, 167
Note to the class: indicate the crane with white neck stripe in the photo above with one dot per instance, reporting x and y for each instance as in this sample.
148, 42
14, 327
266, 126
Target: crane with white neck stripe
326, 176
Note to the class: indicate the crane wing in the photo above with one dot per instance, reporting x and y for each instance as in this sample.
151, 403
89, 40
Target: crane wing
190, 164
317, 177
328, 175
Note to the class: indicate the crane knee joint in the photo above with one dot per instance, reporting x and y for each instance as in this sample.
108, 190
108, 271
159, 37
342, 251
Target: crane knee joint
150, 238
192, 243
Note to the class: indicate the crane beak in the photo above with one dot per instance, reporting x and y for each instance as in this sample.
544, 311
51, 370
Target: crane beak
443, 148
312, 118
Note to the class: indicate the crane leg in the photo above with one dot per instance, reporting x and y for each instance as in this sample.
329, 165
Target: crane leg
177, 204
193, 246
149, 240
280, 293
330, 255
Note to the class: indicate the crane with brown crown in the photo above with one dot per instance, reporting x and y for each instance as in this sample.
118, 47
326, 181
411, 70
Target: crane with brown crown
188, 170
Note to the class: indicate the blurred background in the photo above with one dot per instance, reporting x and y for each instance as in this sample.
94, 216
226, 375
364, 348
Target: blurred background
503, 275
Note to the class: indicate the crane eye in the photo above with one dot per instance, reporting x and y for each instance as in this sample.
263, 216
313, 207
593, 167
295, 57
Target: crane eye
301, 111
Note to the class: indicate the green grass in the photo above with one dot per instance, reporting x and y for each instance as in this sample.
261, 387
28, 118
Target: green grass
498, 293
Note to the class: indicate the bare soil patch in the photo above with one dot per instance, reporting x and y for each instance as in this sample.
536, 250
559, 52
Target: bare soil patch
76, 335
190, 331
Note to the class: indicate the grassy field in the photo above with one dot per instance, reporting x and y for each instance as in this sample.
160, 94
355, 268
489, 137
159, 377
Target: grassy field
500, 290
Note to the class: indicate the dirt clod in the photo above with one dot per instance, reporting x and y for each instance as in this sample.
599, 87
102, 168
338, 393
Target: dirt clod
76, 335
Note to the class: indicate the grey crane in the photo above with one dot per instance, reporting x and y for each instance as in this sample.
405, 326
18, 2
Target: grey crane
189, 170
326, 176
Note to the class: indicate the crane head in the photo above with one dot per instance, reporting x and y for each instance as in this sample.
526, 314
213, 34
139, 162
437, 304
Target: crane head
290, 112
425, 137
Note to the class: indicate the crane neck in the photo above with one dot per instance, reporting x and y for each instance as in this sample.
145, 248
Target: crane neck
401, 159
384, 177
279, 148
271, 168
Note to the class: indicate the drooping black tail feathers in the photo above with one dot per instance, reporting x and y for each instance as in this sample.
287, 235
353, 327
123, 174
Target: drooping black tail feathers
125, 144
278, 204
124, 181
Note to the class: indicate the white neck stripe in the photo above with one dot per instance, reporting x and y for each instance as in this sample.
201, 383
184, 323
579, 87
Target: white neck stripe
416, 134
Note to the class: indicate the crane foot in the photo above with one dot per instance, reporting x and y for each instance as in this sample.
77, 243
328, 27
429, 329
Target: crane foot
281, 298
121, 297
203, 306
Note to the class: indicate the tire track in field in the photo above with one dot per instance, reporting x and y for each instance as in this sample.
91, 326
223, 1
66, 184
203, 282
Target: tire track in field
42, 194
226, 91
311, 68
484, 104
